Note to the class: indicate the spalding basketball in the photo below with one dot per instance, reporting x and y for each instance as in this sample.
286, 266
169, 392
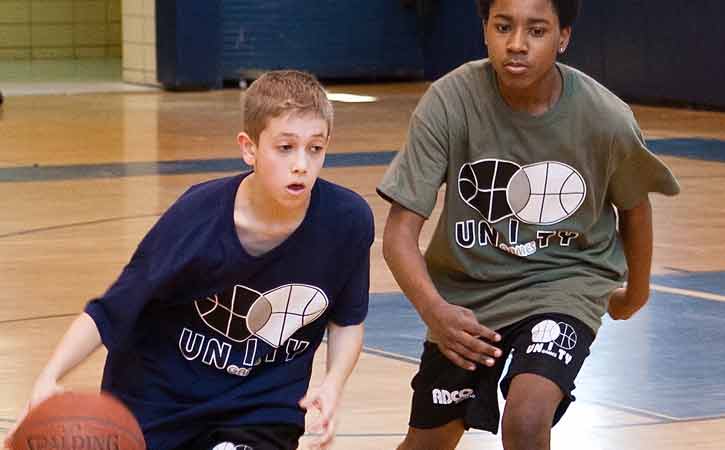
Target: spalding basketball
74, 420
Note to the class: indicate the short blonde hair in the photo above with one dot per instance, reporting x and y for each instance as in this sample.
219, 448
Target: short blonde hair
280, 92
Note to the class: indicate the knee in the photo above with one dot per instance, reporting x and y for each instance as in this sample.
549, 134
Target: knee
409, 444
434, 444
527, 428
443, 438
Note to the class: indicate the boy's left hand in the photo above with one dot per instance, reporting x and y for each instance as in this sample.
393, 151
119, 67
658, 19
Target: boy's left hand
623, 303
324, 400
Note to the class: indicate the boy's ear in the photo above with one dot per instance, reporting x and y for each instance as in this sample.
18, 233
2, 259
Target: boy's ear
248, 148
565, 37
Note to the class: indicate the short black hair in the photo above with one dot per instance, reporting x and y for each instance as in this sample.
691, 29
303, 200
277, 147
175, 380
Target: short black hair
567, 10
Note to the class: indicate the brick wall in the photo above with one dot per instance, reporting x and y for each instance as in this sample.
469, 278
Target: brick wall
139, 41
52, 29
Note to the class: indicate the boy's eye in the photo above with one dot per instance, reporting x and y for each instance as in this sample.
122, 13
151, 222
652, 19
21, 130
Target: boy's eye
538, 32
285, 147
317, 148
503, 28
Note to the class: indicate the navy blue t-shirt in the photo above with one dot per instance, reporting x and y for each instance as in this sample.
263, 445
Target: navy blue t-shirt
201, 334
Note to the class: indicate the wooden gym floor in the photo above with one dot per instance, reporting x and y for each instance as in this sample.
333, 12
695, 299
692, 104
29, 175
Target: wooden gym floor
83, 177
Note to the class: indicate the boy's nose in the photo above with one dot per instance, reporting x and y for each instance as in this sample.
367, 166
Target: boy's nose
517, 42
300, 163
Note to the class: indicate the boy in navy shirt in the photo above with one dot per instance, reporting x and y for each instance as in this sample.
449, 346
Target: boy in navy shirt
212, 327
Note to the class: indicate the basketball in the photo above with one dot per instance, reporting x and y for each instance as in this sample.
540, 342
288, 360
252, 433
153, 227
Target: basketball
74, 420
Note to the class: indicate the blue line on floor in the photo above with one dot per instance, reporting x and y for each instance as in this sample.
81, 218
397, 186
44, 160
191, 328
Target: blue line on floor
702, 149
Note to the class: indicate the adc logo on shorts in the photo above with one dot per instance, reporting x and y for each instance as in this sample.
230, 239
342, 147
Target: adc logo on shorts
543, 193
553, 339
240, 312
230, 446
444, 397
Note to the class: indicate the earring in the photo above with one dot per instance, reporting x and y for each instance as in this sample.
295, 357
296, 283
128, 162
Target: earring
561, 50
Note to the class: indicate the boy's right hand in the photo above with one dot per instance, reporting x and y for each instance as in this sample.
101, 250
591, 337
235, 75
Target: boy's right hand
458, 334
43, 389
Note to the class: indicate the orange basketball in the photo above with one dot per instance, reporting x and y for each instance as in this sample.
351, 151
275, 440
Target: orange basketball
81, 421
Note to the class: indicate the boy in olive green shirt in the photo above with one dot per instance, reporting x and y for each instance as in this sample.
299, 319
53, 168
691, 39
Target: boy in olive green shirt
538, 161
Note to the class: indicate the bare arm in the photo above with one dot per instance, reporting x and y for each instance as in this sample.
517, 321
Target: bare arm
635, 227
403, 256
344, 344
455, 328
81, 339
343, 350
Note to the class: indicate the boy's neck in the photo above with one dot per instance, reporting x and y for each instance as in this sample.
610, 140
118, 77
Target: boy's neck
264, 207
536, 99
261, 223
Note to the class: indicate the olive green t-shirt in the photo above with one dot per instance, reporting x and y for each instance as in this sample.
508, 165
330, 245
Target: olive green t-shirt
528, 224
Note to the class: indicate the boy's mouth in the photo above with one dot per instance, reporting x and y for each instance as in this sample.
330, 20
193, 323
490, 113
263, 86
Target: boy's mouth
295, 188
516, 67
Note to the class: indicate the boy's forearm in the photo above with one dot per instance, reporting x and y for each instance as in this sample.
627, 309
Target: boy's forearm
405, 260
80, 340
343, 350
637, 237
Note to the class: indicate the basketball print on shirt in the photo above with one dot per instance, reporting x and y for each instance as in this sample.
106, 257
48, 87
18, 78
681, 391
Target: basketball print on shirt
543, 193
483, 186
240, 312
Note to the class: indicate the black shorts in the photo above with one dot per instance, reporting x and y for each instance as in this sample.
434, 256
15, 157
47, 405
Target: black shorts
553, 346
248, 437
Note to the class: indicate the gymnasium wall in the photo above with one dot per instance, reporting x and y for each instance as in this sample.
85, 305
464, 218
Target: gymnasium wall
658, 51
201, 44
53, 29
661, 51
332, 38
653, 51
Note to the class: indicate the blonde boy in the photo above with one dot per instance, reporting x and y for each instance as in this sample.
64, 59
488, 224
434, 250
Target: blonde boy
212, 326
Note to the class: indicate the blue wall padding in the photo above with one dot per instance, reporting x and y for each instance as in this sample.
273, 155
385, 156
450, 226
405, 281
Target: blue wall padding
188, 43
654, 50
452, 36
668, 51
365, 39
644, 50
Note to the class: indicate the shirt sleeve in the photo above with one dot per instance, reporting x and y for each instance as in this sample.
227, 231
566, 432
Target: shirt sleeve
117, 310
351, 306
416, 174
636, 171
151, 270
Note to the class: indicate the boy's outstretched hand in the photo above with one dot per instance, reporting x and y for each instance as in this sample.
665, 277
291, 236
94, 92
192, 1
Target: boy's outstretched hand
322, 403
42, 390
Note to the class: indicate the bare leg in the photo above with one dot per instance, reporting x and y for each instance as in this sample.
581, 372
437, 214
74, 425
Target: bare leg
530, 406
445, 437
